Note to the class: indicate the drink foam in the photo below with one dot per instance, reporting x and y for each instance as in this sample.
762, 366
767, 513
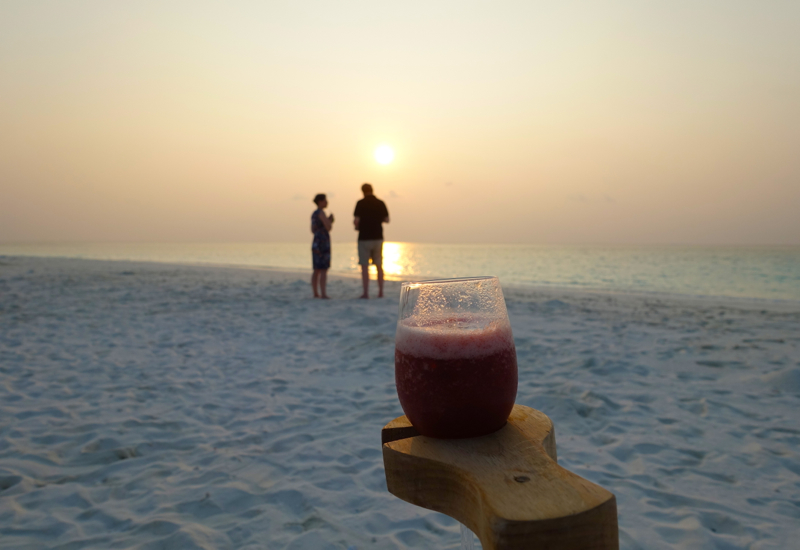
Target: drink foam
453, 338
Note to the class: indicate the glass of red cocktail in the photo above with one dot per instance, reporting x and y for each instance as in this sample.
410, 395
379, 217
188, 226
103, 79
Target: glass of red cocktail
455, 362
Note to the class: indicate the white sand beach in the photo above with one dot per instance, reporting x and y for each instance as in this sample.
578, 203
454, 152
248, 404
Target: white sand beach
156, 406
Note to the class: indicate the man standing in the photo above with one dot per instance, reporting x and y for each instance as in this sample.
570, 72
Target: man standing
368, 218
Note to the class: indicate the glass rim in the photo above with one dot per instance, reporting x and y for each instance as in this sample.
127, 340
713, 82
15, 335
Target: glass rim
453, 280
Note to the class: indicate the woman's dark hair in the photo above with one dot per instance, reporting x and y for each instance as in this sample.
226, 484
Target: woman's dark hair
320, 197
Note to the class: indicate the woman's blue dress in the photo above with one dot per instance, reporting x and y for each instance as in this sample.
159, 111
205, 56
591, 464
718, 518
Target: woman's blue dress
321, 247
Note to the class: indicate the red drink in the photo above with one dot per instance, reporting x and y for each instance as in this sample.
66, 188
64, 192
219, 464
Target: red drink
456, 377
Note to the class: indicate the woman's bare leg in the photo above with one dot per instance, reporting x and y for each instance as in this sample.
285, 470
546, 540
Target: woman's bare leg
323, 283
314, 280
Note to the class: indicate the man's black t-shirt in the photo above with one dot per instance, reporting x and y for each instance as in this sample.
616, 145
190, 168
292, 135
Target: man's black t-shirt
371, 212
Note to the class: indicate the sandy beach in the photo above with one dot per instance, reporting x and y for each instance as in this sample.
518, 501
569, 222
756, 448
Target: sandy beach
155, 406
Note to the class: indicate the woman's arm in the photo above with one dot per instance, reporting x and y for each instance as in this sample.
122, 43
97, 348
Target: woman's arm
326, 221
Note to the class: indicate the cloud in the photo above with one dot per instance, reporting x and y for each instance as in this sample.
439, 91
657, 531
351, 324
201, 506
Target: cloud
303, 197
592, 199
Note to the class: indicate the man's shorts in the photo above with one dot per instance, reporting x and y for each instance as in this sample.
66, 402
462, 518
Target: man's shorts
370, 249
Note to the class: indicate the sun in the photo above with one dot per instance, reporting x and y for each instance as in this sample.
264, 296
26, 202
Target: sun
384, 154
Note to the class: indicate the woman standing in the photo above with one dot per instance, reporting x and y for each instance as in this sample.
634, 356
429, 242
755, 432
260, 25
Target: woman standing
321, 247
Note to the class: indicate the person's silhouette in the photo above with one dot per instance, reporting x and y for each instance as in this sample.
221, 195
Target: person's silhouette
321, 246
368, 219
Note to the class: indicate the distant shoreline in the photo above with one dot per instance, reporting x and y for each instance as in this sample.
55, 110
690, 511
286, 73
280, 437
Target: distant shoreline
518, 291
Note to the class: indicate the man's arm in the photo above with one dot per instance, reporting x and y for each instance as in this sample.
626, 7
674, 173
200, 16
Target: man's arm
357, 215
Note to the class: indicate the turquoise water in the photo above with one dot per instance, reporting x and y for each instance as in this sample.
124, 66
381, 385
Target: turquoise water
749, 272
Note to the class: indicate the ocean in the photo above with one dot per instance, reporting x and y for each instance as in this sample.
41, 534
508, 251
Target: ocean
771, 273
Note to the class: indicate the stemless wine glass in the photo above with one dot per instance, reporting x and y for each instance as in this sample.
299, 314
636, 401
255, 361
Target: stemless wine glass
455, 362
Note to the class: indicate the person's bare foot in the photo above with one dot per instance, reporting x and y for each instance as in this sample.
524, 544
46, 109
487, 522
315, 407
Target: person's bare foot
364, 297
380, 295
316, 295
325, 297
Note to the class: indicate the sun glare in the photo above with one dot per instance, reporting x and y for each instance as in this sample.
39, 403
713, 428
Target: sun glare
384, 154
393, 259
398, 261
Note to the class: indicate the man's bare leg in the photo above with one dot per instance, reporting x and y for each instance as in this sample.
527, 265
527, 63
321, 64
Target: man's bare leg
380, 280
365, 280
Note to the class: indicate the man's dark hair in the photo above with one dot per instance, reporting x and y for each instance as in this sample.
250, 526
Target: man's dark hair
366, 189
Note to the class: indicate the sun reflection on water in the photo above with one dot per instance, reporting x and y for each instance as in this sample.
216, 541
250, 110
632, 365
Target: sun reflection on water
398, 261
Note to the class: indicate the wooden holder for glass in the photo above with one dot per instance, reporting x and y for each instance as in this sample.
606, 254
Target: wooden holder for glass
506, 487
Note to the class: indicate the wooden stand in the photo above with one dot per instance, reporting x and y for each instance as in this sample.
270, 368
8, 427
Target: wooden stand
506, 486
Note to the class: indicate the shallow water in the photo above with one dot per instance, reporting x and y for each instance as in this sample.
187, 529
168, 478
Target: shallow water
746, 272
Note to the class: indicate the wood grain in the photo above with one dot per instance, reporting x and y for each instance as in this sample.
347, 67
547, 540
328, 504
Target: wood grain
506, 487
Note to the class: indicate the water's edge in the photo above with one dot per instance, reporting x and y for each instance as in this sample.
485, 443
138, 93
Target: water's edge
766, 273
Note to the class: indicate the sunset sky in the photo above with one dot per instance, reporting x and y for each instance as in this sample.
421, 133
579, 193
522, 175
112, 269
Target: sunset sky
536, 122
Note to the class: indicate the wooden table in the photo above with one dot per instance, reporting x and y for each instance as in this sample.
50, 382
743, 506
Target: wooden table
506, 487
